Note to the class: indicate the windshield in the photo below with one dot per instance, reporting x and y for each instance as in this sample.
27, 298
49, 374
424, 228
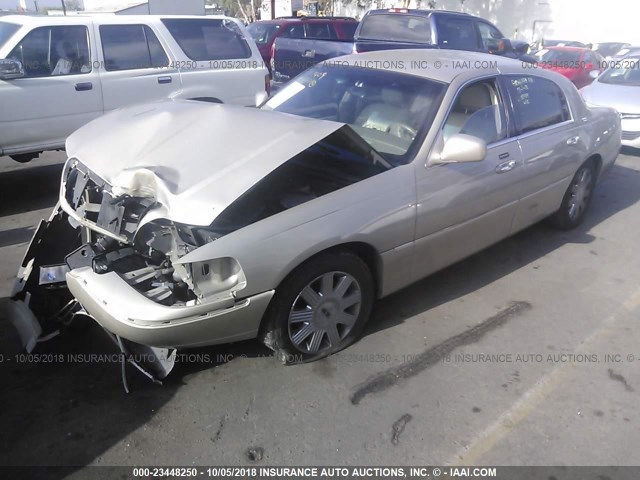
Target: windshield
627, 72
263, 33
391, 111
568, 58
395, 27
6, 31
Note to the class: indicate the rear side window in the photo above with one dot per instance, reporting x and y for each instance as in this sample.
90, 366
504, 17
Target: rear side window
538, 102
294, 31
396, 27
208, 39
131, 47
457, 33
320, 31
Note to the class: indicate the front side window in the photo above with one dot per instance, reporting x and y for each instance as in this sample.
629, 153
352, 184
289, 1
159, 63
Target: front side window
456, 33
537, 102
478, 111
205, 39
391, 111
54, 51
490, 36
131, 47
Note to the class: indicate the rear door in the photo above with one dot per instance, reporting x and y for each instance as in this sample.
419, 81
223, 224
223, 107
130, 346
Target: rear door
135, 65
550, 140
60, 92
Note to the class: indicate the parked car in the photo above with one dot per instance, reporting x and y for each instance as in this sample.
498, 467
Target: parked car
619, 88
546, 43
625, 52
59, 73
399, 28
176, 229
577, 64
609, 49
265, 32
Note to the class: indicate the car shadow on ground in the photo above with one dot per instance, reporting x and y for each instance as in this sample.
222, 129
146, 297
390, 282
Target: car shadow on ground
66, 408
505, 257
29, 189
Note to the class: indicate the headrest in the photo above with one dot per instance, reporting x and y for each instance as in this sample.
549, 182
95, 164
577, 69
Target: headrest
392, 96
475, 98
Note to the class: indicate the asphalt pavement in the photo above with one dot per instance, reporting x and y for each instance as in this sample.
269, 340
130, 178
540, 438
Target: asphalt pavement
525, 354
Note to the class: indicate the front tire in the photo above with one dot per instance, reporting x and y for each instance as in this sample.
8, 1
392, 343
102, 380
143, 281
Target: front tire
577, 198
321, 308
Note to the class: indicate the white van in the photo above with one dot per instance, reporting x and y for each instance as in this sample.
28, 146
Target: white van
58, 73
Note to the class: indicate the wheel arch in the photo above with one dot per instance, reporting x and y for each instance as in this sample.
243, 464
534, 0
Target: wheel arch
596, 158
365, 251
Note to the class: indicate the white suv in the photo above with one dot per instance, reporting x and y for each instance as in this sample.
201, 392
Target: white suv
58, 73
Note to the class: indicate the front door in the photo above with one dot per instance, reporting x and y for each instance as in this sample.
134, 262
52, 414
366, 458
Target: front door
60, 92
465, 207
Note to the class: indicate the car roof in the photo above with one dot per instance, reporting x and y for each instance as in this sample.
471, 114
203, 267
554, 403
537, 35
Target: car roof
284, 21
103, 18
441, 65
415, 11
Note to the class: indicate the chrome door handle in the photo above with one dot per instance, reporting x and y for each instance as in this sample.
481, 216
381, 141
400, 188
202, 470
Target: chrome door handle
309, 54
163, 80
506, 166
573, 140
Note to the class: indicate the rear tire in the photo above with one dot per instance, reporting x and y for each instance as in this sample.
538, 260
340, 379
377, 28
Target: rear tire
577, 198
320, 309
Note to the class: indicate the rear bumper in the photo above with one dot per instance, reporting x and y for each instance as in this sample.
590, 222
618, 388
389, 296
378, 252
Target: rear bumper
121, 310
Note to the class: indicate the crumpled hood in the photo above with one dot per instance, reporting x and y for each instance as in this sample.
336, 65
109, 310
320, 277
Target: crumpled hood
624, 98
195, 158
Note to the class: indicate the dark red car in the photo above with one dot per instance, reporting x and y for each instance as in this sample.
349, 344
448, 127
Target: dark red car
573, 62
265, 32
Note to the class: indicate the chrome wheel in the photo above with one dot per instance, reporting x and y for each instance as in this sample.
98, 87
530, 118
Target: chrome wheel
324, 312
580, 193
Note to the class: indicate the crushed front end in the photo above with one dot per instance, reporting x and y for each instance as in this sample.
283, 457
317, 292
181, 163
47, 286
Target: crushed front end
111, 253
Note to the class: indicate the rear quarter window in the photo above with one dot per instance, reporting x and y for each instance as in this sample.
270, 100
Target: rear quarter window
208, 39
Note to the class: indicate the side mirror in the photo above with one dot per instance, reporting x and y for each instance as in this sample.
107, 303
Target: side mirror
261, 98
521, 48
594, 74
462, 148
10, 69
499, 47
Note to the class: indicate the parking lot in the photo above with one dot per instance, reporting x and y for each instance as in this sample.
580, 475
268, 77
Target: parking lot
524, 354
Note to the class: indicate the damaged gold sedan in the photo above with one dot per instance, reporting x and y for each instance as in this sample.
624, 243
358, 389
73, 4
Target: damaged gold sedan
183, 224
